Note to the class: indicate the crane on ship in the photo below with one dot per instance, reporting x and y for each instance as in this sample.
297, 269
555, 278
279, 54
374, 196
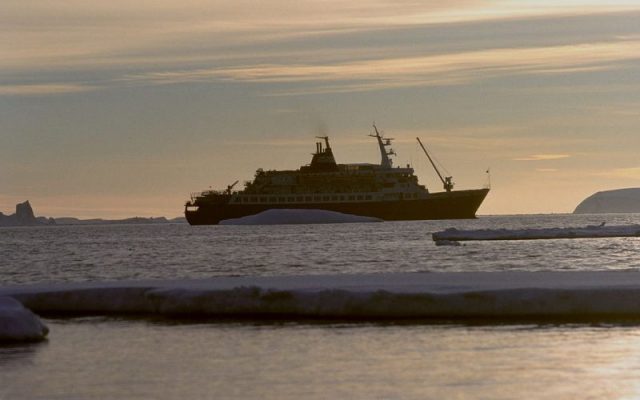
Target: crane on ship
447, 181
230, 187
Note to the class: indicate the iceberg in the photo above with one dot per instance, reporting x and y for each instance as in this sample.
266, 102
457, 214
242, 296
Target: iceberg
17, 324
592, 296
611, 201
590, 231
293, 216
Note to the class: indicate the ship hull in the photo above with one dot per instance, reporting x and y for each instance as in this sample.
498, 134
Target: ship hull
459, 204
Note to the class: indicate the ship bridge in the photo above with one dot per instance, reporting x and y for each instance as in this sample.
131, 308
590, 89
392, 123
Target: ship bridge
323, 160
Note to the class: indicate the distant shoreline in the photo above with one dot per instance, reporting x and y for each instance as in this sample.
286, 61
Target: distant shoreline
24, 216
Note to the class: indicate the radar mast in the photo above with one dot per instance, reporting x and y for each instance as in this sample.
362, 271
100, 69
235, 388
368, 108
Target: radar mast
385, 162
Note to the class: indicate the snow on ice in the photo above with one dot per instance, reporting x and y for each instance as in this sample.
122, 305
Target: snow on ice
590, 231
290, 216
19, 324
494, 295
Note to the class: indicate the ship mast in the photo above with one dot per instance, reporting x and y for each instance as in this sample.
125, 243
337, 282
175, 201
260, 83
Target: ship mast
446, 181
384, 154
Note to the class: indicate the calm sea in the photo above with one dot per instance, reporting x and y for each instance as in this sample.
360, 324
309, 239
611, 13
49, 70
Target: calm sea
102, 357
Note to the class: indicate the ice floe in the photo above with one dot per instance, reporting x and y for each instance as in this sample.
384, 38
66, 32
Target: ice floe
590, 231
19, 324
493, 295
294, 216
447, 243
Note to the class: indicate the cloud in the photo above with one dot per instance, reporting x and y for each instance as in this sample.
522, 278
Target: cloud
542, 157
624, 173
381, 73
76, 32
321, 47
444, 69
43, 89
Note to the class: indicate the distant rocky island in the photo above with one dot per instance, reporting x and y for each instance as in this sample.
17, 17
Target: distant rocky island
611, 201
25, 216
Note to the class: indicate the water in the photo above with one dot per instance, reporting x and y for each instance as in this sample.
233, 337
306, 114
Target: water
95, 358
101, 357
81, 253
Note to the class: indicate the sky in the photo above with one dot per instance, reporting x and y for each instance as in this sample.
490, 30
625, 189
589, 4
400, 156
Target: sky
123, 108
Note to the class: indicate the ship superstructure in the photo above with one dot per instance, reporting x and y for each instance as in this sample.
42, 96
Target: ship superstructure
377, 190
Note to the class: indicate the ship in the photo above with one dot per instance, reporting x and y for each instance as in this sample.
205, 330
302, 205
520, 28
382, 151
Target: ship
383, 191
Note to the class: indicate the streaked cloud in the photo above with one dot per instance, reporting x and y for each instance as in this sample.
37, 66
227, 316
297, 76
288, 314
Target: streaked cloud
43, 89
383, 73
444, 69
542, 157
620, 173
119, 32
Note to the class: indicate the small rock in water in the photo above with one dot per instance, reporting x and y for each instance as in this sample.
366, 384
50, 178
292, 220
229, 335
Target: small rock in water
18, 324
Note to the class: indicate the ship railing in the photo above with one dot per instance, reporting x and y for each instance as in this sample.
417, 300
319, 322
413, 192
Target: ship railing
195, 195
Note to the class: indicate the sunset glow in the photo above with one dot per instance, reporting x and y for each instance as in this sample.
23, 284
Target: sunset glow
115, 109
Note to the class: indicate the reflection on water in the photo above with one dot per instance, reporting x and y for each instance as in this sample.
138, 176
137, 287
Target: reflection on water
13, 355
102, 358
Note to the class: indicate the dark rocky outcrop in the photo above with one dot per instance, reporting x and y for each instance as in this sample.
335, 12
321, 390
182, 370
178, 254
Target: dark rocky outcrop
611, 201
24, 216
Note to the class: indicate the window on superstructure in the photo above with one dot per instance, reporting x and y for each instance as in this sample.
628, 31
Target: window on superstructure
290, 199
299, 198
281, 199
325, 198
367, 197
316, 198
307, 198
334, 198
263, 199
351, 197
359, 197
254, 199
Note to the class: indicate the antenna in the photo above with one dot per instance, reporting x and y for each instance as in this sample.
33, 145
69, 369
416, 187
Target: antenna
488, 172
384, 154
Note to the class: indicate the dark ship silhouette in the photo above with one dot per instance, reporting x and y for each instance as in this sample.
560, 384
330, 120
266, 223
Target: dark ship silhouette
372, 190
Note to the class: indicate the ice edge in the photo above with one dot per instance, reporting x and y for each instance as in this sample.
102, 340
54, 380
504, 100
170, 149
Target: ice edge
594, 296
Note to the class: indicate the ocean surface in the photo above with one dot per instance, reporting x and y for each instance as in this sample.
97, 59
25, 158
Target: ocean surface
113, 357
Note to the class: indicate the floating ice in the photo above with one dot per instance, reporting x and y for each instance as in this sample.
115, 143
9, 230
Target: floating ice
447, 243
494, 295
19, 324
297, 216
590, 231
